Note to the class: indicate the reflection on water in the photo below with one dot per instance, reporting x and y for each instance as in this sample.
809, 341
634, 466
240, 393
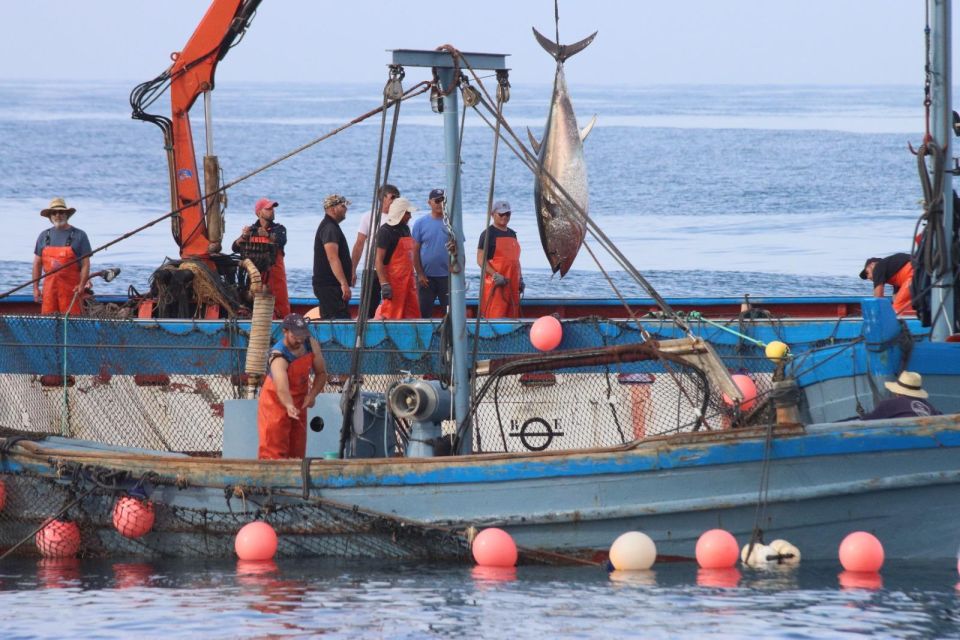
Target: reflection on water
349, 599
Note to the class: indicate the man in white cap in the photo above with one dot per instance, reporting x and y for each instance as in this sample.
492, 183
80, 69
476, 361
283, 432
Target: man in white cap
909, 399
57, 246
500, 266
398, 286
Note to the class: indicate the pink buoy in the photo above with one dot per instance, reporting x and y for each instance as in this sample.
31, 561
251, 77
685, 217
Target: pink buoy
58, 539
256, 541
717, 549
3, 495
861, 552
494, 548
546, 333
747, 388
132, 517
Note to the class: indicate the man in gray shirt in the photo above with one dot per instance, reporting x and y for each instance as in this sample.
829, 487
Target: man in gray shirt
62, 252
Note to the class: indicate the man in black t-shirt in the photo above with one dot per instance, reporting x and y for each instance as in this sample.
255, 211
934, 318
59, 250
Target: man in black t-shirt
909, 399
896, 271
331, 261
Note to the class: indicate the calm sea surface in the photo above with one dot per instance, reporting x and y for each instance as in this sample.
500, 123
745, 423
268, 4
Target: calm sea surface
708, 190
128, 599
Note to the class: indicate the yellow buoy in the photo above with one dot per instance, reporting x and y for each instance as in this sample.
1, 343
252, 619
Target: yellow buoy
777, 351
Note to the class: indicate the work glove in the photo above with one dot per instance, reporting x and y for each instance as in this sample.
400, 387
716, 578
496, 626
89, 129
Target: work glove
386, 291
499, 280
522, 286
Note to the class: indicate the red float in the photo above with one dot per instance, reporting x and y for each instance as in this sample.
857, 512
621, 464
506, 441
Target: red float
494, 548
58, 539
132, 517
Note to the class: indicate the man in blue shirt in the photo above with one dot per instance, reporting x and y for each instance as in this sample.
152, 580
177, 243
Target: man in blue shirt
431, 256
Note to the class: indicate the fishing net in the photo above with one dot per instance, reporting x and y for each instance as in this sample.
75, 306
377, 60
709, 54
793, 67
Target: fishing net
161, 385
67, 518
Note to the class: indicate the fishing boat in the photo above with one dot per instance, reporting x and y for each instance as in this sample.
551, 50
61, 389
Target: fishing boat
667, 422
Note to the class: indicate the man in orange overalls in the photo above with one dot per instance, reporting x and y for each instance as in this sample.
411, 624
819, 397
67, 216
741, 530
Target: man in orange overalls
287, 393
61, 245
896, 271
502, 278
398, 282
266, 231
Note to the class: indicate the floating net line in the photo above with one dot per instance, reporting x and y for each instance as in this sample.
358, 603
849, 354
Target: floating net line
161, 385
314, 528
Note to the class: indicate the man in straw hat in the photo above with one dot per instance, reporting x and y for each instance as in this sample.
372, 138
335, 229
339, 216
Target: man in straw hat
332, 267
57, 246
909, 399
395, 271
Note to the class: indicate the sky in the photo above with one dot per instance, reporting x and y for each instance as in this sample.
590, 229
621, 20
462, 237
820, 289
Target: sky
640, 42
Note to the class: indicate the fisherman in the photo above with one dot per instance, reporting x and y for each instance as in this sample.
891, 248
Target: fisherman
331, 261
502, 278
287, 392
431, 256
57, 246
896, 271
395, 264
388, 193
909, 399
266, 231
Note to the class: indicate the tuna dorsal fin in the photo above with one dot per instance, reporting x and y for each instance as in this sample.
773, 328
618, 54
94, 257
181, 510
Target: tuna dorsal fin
561, 52
533, 141
587, 129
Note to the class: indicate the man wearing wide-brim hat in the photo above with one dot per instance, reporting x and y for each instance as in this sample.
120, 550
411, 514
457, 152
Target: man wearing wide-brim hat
909, 399
394, 264
59, 246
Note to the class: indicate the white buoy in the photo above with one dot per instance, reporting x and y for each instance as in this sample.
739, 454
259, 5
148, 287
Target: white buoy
786, 552
633, 551
758, 556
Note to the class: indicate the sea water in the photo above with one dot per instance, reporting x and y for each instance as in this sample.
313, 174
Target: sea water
137, 599
716, 191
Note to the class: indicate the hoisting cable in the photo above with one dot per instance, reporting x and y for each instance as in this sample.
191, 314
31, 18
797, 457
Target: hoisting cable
483, 266
414, 91
352, 387
530, 161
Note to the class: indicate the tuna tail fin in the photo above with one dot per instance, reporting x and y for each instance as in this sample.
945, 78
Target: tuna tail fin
533, 141
561, 52
587, 129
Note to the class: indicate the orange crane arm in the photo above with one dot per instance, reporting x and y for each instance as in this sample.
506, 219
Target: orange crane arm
190, 75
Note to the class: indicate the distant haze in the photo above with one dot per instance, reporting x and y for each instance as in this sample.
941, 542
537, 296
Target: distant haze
640, 42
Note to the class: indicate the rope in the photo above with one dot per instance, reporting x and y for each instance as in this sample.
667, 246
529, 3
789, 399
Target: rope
354, 381
410, 93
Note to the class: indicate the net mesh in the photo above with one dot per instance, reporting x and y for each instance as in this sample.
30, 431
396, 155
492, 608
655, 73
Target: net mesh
162, 385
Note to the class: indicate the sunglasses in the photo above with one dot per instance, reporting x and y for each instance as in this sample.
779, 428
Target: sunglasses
504, 214
440, 199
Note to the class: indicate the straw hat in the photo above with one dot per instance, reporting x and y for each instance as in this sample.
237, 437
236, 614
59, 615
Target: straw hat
908, 384
57, 205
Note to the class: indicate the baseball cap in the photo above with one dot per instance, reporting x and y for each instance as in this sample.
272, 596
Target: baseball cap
264, 203
436, 193
863, 273
334, 199
501, 206
297, 325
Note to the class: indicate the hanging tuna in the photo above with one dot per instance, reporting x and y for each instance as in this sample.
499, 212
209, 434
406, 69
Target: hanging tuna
560, 155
